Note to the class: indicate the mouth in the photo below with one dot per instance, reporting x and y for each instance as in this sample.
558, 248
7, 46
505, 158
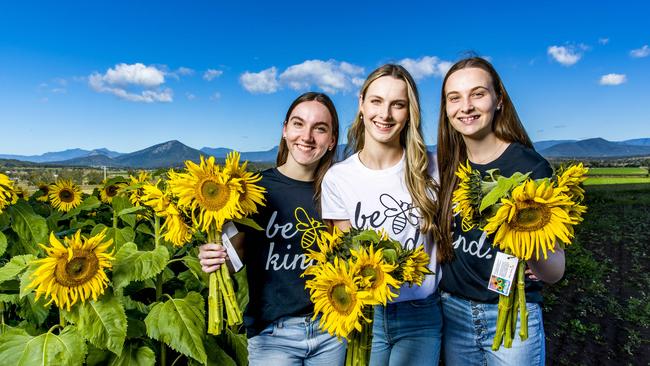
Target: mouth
382, 126
305, 148
469, 119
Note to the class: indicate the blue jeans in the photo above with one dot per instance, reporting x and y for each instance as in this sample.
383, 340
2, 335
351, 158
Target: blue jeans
407, 333
295, 341
470, 328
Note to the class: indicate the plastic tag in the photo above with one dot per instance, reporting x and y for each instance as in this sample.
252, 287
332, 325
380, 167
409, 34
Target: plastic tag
228, 231
503, 272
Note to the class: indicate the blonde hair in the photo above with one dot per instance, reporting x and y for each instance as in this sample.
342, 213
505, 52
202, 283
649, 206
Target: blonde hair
418, 182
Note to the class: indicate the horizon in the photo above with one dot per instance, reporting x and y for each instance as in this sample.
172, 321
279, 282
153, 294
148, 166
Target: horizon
125, 76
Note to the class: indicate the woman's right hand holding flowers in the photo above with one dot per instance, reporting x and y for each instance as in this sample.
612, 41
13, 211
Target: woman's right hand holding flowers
212, 256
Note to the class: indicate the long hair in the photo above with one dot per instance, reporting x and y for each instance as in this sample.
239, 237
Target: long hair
418, 182
326, 160
452, 150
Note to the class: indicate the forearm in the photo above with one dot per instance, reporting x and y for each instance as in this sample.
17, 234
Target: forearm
343, 225
550, 270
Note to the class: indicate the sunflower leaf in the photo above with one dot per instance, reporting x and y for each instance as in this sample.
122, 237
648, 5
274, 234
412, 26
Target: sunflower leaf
180, 323
32, 310
9, 298
30, 227
131, 210
102, 323
89, 204
19, 348
216, 355
503, 187
132, 264
15, 266
134, 356
246, 221
3, 243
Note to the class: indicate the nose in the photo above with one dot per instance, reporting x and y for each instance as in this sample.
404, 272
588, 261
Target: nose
385, 112
307, 135
467, 105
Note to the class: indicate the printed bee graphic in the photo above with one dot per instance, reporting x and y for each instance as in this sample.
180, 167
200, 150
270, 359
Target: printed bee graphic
400, 212
309, 226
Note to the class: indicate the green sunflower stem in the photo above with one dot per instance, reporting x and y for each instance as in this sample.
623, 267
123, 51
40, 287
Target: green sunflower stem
504, 321
360, 342
215, 296
521, 297
61, 319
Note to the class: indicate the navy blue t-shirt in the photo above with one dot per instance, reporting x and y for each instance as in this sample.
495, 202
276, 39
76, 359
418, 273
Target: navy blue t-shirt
274, 257
468, 274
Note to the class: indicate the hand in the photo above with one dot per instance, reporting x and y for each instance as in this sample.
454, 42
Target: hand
530, 275
212, 256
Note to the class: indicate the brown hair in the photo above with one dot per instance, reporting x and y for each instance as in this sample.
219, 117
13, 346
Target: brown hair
418, 182
326, 160
452, 150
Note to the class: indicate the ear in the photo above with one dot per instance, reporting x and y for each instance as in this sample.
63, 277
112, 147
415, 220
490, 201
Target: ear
361, 103
284, 130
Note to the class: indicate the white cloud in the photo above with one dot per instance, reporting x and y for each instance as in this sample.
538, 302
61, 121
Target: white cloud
190, 96
211, 74
613, 79
603, 40
185, 71
265, 81
425, 67
565, 55
116, 81
331, 76
215, 96
641, 52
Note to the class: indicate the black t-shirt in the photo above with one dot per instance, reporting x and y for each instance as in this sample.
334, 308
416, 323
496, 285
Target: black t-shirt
468, 274
274, 257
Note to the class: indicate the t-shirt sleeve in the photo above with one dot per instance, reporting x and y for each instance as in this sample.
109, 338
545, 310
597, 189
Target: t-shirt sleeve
542, 170
332, 203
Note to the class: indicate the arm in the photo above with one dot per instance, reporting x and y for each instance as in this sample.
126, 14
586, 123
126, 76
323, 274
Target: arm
212, 256
343, 225
550, 270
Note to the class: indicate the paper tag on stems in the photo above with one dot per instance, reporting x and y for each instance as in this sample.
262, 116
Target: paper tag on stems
228, 231
503, 272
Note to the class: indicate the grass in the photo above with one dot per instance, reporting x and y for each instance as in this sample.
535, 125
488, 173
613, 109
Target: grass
618, 171
591, 181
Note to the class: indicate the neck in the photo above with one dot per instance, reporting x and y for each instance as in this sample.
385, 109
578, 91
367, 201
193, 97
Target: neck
379, 156
296, 171
485, 150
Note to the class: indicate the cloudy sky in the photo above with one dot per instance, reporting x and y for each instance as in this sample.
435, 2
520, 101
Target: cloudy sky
125, 75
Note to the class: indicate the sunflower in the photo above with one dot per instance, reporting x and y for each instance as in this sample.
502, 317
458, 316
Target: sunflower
326, 243
111, 190
531, 220
251, 195
569, 181
375, 274
467, 195
177, 231
155, 198
65, 195
22, 192
44, 191
137, 184
336, 294
8, 194
207, 193
74, 271
416, 266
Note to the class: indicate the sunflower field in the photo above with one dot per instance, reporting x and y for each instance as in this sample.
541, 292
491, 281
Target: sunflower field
112, 277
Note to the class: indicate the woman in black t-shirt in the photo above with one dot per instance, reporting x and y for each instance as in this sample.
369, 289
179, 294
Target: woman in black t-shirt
479, 123
278, 318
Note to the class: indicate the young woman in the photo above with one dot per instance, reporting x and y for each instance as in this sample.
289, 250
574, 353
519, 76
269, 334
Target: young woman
388, 184
478, 122
279, 312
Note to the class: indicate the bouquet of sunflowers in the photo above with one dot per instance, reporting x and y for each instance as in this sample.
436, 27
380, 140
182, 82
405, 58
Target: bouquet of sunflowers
351, 272
527, 217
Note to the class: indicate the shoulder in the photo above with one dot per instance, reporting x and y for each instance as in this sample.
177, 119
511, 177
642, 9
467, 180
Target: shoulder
341, 168
527, 159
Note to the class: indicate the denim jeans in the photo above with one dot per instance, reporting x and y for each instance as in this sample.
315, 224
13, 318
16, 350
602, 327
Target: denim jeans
295, 341
407, 333
470, 328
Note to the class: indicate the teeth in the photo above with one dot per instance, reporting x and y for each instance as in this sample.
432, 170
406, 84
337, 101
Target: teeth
304, 147
468, 119
384, 125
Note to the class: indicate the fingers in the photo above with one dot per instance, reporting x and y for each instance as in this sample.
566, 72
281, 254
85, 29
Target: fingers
210, 269
531, 275
211, 247
212, 256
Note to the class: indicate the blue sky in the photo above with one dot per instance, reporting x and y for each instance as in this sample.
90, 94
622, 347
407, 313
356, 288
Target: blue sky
129, 74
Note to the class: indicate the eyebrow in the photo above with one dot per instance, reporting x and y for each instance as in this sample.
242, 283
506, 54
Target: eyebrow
471, 90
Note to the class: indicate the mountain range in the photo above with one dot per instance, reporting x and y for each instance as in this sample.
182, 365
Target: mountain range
174, 153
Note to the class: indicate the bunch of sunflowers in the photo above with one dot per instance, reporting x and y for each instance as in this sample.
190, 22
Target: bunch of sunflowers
527, 218
351, 272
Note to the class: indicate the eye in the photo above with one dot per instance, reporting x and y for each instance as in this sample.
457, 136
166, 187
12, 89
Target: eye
322, 129
453, 99
478, 94
375, 101
297, 124
399, 105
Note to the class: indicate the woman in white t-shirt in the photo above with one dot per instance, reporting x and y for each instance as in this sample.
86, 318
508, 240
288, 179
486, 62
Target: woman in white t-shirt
387, 184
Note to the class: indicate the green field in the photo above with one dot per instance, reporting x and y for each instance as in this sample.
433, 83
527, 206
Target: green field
618, 171
617, 175
592, 181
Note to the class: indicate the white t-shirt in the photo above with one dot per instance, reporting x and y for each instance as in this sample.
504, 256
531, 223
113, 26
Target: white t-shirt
380, 199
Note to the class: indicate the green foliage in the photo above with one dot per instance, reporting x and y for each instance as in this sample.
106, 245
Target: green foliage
88, 204
102, 322
30, 227
134, 356
32, 310
15, 267
134, 265
248, 222
504, 185
19, 348
180, 323
3, 243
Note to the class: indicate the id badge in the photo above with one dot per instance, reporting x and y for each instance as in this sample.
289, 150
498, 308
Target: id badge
503, 272
228, 231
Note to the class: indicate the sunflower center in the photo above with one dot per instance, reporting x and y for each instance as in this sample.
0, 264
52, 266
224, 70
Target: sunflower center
371, 274
213, 195
340, 299
111, 190
530, 216
66, 195
80, 269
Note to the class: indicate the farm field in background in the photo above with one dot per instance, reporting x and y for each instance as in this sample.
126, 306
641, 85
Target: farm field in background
618, 175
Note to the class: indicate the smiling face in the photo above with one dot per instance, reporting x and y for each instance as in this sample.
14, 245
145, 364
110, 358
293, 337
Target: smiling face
308, 133
471, 102
385, 110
